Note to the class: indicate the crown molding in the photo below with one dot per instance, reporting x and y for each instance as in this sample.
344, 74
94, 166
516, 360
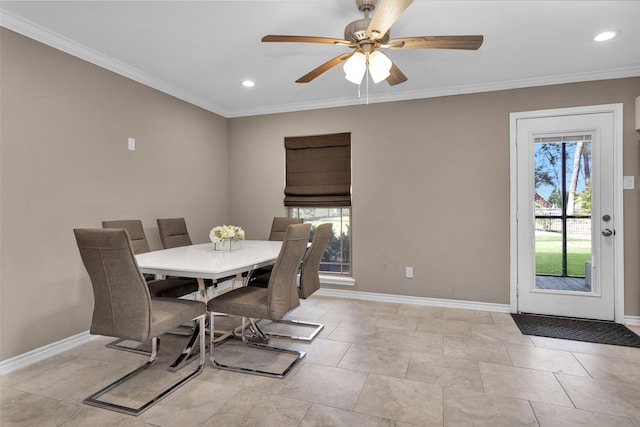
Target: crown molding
36, 32
55, 40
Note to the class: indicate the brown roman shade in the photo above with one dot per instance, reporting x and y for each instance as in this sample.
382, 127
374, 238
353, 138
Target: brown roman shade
318, 170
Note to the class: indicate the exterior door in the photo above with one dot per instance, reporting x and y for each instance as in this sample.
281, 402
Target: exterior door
566, 217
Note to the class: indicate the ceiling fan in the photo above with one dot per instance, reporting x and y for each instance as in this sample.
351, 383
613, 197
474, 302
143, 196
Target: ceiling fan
366, 35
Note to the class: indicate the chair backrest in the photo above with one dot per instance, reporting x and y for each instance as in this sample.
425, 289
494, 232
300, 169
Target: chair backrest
282, 290
310, 274
173, 232
279, 227
136, 233
122, 305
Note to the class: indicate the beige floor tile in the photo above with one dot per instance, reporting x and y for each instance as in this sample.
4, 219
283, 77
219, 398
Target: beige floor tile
412, 402
98, 417
195, 404
18, 409
444, 327
503, 333
608, 397
325, 385
319, 351
476, 349
242, 381
568, 345
611, 368
470, 409
558, 416
636, 422
323, 416
618, 351
423, 342
35, 369
383, 361
420, 311
502, 318
521, 383
254, 409
545, 359
393, 321
446, 371
74, 380
474, 316
357, 332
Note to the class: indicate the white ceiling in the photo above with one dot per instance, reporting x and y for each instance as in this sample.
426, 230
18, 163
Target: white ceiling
201, 51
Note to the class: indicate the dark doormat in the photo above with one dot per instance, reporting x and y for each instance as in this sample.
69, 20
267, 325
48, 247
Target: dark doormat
576, 329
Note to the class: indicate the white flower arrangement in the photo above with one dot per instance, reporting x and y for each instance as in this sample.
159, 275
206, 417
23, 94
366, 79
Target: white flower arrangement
224, 233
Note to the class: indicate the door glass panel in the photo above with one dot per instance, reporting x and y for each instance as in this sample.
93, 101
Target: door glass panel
562, 207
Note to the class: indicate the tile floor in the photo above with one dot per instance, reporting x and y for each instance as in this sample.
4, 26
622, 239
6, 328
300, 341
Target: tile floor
374, 364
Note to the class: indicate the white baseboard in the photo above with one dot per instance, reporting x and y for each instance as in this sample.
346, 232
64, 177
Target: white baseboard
44, 352
404, 299
632, 320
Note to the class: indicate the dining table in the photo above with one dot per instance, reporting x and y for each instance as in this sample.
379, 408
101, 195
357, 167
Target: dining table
204, 261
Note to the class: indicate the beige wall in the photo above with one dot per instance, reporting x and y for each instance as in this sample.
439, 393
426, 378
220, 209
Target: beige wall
65, 164
430, 182
430, 185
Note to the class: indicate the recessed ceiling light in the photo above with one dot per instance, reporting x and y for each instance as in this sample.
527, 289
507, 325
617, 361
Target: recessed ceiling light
606, 35
248, 83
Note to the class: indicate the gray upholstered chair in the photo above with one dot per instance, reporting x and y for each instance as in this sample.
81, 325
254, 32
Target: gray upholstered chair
171, 287
279, 227
173, 232
309, 280
260, 277
123, 308
273, 302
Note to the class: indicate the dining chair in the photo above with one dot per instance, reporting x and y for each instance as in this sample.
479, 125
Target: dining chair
260, 277
169, 288
123, 308
272, 303
309, 279
174, 233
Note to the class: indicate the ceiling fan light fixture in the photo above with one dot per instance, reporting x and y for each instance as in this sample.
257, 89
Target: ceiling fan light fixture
355, 67
379, 66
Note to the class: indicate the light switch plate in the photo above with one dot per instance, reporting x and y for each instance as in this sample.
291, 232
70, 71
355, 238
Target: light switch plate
628, 182
131, 144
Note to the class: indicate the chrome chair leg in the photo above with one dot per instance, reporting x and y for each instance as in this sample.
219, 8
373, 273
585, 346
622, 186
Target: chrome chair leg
94, 400
317, 328
299, 355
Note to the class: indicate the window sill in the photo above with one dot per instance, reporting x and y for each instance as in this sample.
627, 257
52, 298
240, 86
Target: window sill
330, 279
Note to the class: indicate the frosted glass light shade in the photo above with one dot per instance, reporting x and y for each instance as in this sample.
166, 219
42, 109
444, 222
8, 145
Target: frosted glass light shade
355, 67
379, 66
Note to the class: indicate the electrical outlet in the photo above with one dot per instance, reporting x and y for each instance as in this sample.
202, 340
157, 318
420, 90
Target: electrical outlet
408, 272
131, 144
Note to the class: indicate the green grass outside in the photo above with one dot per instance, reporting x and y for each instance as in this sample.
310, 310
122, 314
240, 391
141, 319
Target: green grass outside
549, 254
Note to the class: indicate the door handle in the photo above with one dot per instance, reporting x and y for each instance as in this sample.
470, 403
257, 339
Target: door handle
607, 232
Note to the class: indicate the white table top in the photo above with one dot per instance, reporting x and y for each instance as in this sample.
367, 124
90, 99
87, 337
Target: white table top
202, 261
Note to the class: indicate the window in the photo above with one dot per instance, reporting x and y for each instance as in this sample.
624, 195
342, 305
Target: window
318, 189
337, 256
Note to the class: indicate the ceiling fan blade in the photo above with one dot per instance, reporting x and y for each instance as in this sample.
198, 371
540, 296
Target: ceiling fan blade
386, 13
324, 67
437, 42
396, 76
305, 39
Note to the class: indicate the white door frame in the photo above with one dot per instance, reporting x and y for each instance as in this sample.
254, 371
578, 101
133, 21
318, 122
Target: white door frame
618, 205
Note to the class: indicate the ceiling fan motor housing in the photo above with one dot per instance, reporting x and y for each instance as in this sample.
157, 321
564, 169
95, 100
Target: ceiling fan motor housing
356, 32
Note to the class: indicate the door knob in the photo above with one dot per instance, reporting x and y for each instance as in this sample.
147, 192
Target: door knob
607, 232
